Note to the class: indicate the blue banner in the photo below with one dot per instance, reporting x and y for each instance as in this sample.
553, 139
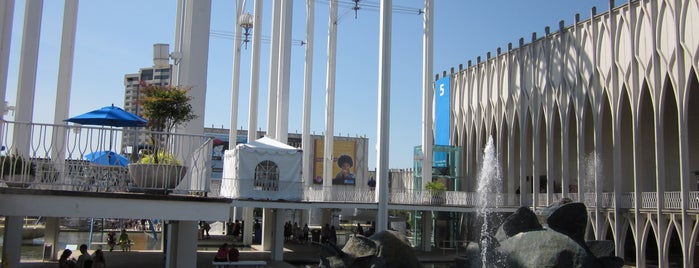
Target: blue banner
442, 118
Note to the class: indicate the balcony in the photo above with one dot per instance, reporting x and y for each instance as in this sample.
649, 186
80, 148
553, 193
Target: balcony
55, 157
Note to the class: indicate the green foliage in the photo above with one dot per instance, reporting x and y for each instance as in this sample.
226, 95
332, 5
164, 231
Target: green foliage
16, 165
162, 158
165, 107
435, 186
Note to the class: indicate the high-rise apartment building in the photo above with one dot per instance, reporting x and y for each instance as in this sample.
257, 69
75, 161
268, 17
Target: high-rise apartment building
158, 74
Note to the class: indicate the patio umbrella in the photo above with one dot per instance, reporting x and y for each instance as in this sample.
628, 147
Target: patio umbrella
109, 116
107, 158
112, 116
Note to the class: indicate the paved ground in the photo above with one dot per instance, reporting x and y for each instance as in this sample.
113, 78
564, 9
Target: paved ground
295, 255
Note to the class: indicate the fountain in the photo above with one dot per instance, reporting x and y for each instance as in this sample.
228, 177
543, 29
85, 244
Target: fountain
593, 169
489, 190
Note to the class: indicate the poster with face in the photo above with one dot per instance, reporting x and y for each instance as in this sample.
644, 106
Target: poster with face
344, 166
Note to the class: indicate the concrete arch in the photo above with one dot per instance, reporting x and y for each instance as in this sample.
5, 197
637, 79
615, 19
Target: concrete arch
504, 155
649, 242
672, 243
607, 144
572, 156
625, 143
555, 163
691, 105
646, 173
669, 123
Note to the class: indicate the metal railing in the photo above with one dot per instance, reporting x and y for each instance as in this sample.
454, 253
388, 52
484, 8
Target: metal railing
48, 156
85, 158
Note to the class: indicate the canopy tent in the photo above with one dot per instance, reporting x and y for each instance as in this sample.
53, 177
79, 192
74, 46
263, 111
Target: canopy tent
262, 169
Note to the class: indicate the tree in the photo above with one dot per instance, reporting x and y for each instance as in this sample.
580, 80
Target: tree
165, 107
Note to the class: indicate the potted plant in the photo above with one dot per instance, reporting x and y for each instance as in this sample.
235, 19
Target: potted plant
436, 191
17, 171
165, 107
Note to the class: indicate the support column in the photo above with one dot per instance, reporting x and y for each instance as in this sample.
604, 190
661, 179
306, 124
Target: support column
330, 100
277, 253
384, 114
268, 229
255, 72
248, 226
7, 10
426, 231
182, 245
12, 241
26, 84
51, 231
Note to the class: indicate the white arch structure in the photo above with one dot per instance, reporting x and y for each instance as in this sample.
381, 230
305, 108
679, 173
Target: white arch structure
621, 86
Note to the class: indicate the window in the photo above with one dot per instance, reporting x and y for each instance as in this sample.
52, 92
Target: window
266, 176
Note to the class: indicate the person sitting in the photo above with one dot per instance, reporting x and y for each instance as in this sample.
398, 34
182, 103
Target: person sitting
65, 261
223, 253
98, 259
233, 254
124, 241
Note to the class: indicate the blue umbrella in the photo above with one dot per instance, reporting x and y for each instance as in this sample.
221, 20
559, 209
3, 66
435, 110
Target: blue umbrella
107, 158
109, 116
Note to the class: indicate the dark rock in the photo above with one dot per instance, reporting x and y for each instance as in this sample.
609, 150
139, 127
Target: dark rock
523, 220
610, 262
601, 248
544, 249
570, 219
383, 249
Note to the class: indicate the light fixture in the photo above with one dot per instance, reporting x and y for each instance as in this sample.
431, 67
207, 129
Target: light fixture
245, 21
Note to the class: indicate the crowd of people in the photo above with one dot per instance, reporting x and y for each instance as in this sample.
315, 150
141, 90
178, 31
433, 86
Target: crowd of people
85, 260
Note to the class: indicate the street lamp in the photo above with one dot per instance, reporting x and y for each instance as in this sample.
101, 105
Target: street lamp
245, 21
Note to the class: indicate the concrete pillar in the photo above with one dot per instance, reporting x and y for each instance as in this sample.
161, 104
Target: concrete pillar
182, 245
248, 226
268, 230
51, 231
426, 231
277, 253
12, 241
384, 114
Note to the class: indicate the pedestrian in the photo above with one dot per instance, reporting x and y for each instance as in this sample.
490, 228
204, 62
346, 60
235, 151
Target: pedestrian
84, 258
333, 235
305, 233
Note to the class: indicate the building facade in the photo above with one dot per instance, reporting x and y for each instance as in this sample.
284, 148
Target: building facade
159, 74
604, 112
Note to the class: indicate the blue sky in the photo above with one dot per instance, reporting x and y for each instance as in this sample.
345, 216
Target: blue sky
116, 37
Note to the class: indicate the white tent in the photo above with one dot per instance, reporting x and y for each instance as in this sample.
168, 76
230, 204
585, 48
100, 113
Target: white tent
262, 169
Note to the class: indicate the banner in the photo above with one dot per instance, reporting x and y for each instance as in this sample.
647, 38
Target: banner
344, 162
442, 118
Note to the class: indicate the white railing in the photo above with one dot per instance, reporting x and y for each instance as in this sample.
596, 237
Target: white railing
673, 200
48, 156
649, 200
627, 200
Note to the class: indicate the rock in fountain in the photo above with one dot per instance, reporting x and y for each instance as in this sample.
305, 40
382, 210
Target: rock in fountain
524, 242
383, 249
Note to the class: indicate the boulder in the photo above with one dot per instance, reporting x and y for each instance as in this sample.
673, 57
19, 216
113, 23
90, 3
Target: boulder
383, 249
523, 220
544, 248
